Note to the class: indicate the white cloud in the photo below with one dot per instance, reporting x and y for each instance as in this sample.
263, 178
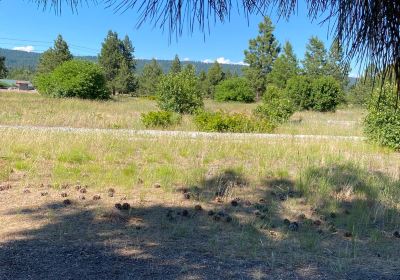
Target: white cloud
24, 48
186, 59
224, 60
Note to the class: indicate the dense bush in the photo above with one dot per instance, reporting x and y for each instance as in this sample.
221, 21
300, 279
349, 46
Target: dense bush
234, 89
222, 122
299, 90
160, 119
320, 94
179, 92
75, 78
360, 93
3, 85
326, 94
277, 107
382, 123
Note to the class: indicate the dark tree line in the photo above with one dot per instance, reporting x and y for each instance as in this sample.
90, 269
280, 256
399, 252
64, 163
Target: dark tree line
358, 25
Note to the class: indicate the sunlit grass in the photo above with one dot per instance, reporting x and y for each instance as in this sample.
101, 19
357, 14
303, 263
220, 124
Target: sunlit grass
124, 112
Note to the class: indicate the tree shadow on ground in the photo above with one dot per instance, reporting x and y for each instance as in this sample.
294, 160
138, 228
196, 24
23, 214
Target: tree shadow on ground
95, 241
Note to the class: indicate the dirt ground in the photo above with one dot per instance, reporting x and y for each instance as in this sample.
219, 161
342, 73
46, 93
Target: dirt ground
53, 233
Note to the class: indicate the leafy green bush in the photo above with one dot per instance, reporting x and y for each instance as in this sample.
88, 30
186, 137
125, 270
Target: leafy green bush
326, 94
222, 122
277, 107
299, 90
160, 119
382, 123
234, 89
75, 78
179, 92
3, 85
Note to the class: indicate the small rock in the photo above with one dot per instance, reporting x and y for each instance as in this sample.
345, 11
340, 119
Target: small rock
286, 221
234, 203
96, 197
396, 234
67, 202
294, 226
64, 194
118, 206
157, 185
198, 207
348, 234
126, 206
211, 213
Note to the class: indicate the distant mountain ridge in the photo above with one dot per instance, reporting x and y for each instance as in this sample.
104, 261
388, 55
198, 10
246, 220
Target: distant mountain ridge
21, 59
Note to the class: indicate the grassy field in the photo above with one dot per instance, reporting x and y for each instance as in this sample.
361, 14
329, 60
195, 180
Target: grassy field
200, 208
344, 197
124, 112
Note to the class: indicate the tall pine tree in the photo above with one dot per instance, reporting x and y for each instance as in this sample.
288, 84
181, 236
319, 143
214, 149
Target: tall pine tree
285, 67
3, 68
176, 66
54, 56
337, 67
315, 58
117, 60
261, 55
149, 78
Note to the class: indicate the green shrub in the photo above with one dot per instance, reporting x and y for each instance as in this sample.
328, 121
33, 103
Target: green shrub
160, 119
179, 92
3, 85
382, 123
277, 107
326, 94
299, 90
222, 122
234, 89
75, 78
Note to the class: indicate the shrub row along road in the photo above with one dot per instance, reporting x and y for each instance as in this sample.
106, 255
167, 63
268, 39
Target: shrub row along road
183, 134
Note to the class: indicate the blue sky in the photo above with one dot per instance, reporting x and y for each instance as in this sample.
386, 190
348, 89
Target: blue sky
85, 31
